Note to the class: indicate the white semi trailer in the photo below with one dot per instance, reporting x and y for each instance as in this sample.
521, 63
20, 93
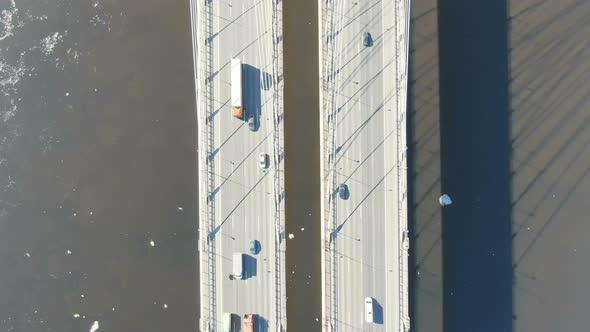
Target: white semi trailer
237, 109
238, 266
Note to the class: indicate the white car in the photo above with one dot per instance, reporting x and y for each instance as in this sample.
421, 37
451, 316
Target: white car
263, 160
369, 310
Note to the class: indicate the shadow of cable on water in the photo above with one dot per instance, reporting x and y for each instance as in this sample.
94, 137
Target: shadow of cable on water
550, 137
424, 212
547, 59
475, 165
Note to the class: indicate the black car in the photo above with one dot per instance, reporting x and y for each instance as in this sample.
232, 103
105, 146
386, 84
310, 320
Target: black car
254, 247
367, 39
343, 191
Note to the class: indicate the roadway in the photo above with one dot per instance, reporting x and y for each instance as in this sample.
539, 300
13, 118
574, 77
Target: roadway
361, 119
243, 195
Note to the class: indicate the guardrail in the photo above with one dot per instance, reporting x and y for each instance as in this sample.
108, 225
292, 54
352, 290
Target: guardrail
201, 25
328, 53
402, 26
278, 144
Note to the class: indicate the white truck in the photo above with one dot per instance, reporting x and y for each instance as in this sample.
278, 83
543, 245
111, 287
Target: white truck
369, 307
228, 324
238, 266
237, 109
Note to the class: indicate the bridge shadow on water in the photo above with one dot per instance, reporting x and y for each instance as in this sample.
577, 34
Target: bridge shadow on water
424, 212
475, 165
514, 157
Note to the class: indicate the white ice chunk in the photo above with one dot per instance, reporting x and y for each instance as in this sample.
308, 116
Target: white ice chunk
94, 326
445, 200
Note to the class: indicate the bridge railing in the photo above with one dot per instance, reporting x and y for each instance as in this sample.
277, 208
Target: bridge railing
329, 19
402, 24
201, 28
278, 163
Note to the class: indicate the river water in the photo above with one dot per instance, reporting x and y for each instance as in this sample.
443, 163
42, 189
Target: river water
98, 174
426, 287
98, 201
97, 166
505, 79
302, 165
475, 166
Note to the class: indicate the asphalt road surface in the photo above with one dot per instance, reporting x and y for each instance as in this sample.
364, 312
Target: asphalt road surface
244, 194
367, 236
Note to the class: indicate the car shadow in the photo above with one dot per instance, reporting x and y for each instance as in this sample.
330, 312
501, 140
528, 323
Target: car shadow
236, 322
250, 266
377, 312
253, 82
257, 247
260, 323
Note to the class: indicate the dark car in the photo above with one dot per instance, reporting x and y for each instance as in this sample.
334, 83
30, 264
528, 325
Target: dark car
343, 191
252, 123
367, 39
254, 247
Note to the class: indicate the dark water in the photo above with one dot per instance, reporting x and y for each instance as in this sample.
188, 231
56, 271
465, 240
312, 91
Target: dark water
97, 159
426, 282
547, 150
302, 165
475, 166
97, 154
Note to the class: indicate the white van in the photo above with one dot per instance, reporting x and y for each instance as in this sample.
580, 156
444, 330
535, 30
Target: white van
238, 265
369, 310
227, 322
